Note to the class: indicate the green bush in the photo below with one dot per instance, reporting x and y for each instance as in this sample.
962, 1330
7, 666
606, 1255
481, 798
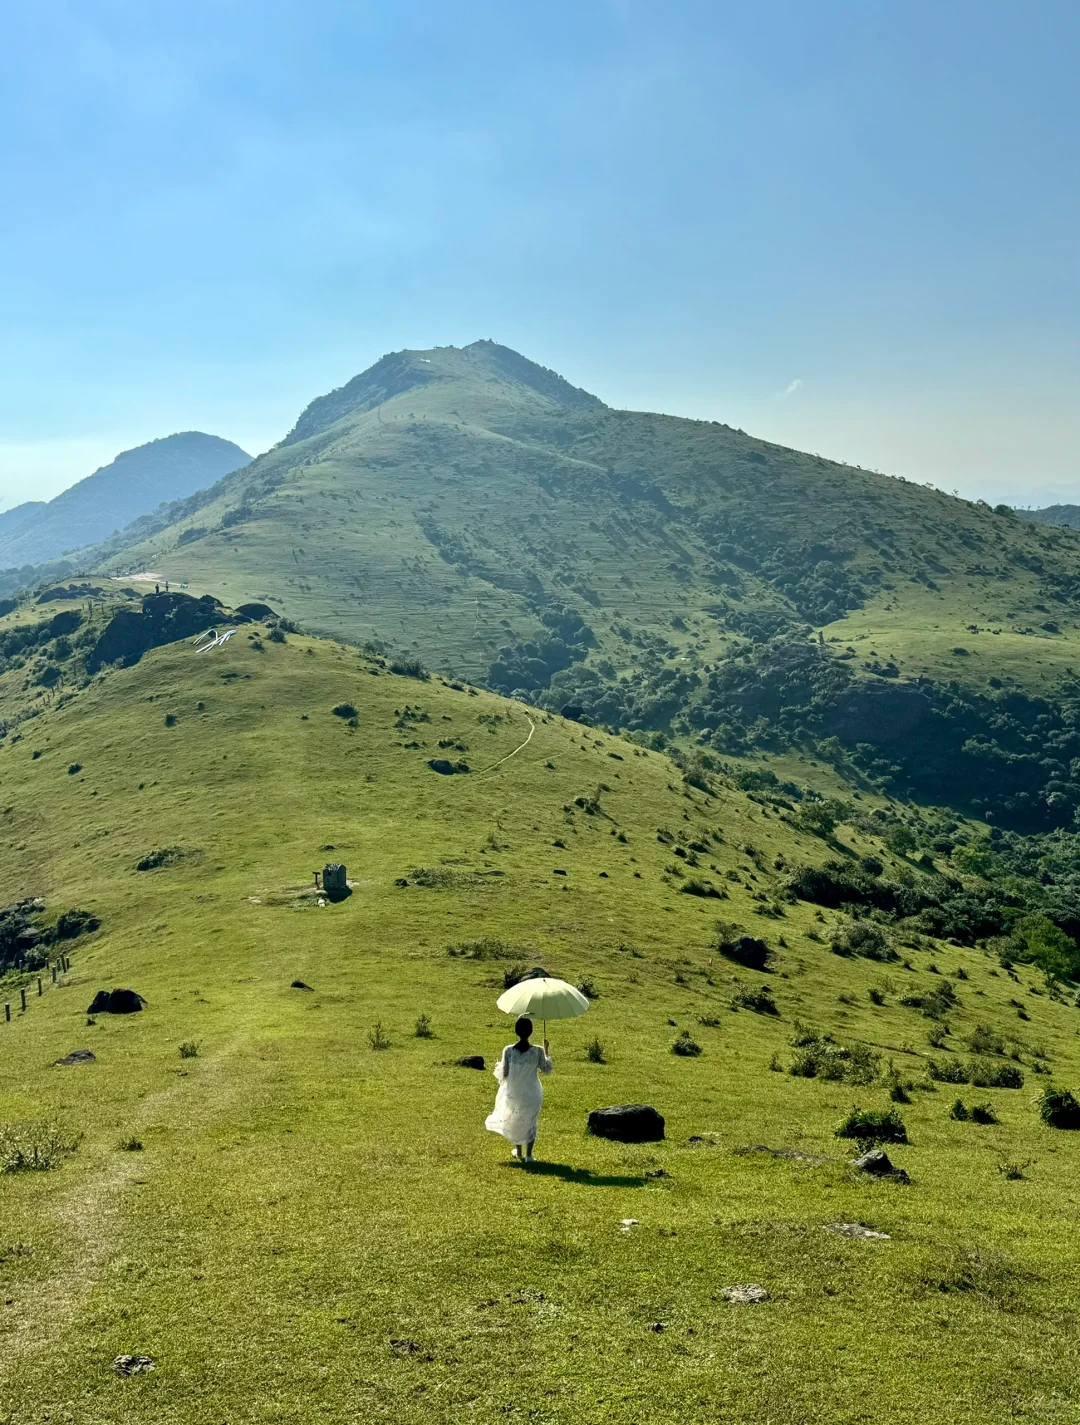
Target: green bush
189, 1049
985, 1074
422, 1028
378, 1037
685, 1046
34, 1147
948, 1071
759, 1000
873, 1125
594, 1052
1058, 1108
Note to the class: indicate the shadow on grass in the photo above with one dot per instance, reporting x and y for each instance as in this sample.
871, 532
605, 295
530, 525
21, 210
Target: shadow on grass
576, 1175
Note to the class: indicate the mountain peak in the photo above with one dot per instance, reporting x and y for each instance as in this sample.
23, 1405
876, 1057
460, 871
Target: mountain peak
469, 372
133, 484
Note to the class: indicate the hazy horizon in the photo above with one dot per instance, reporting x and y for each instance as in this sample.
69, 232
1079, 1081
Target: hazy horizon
847, 230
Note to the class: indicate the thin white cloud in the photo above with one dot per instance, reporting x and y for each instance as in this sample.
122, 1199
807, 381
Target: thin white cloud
790, 389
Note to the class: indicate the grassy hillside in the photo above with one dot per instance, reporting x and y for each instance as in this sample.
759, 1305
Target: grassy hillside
314, 1229
663, 574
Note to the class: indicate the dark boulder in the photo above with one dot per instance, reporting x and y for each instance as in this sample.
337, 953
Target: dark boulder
471, 1061
161, 619
627, 1123
253, 613
447, 769
877, 1163
77, 1056
299, 985
746, 951
116, 1002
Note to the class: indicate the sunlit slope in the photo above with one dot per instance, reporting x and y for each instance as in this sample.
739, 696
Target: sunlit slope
446, 501
316, 1230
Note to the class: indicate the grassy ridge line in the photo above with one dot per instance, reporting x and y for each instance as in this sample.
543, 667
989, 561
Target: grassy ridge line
302, 1201
624, 516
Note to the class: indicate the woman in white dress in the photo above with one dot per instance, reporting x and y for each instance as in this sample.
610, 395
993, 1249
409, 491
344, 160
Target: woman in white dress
521, 1095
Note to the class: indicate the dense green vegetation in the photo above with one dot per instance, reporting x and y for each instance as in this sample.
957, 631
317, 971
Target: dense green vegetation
284, 1197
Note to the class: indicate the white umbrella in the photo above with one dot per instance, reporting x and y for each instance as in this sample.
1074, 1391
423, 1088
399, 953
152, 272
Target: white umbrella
543, 998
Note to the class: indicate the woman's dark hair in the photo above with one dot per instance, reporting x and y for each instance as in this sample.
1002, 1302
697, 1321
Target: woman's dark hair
523, 1028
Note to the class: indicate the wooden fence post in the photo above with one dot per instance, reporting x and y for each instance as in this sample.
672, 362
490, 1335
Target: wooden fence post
22, 996
39, 986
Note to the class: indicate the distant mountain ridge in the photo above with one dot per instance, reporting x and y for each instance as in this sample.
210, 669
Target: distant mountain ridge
1067, 515
18, 515
133, 484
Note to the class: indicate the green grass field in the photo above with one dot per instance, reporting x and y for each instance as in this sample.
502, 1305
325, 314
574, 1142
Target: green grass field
318, 1231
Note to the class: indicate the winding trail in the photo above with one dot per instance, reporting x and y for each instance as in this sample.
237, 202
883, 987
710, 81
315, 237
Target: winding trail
532, 729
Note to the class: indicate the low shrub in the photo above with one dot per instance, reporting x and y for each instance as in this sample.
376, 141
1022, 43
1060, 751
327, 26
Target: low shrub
685, 1046
422, 1028
873, 1125
1058, 1108
697, 887
823, 1058
409, 668
865, 939
588, 988
34, 1147
345, 710
983, 1113
983, 1040
488, 948
594, 1052
959, 1111
378, 1037
163, 856
759, 1000
189, 1049
131, 1145
985, 1074
948, 1071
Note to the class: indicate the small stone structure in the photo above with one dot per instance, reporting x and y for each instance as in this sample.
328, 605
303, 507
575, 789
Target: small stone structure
334, 880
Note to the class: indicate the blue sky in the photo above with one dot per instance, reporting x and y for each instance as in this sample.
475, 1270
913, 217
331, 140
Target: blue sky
846, 225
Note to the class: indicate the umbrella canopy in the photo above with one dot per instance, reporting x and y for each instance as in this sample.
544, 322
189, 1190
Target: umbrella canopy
543, 999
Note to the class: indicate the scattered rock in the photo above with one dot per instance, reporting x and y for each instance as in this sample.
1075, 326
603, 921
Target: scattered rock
877, 1163
656, 1326
116, 1002
856, 1229
746, 1294
299, 985
401, 881
77, 1056
447, 769
470, 1061
403, 1347
627, 1223
658, 1173
703, 1140
133, 1365
627, 1123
